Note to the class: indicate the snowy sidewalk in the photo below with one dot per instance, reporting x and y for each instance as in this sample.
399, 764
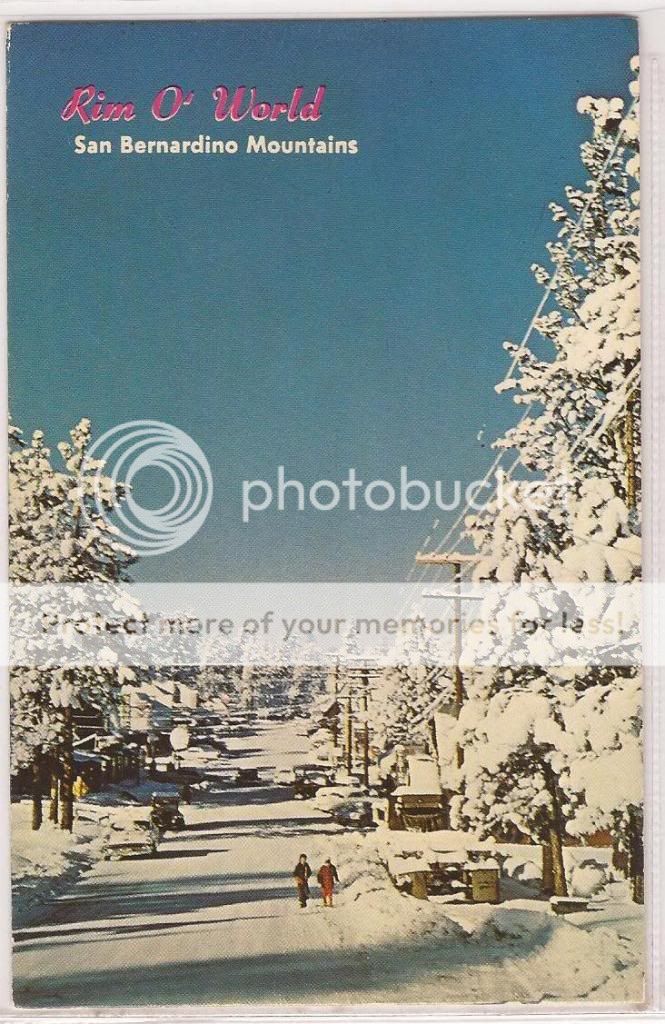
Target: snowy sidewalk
46, 862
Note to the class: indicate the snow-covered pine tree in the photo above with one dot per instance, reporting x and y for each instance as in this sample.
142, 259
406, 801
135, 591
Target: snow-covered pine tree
591, 320
61, 533
91, 544
408, 691
307, 683
605, 769
526, 746
221, 669
35, 495
92, 553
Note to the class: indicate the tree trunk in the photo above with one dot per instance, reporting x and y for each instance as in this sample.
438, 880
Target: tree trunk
366, 754
548, 873
637, 888
618, 861
559, 886
555, 834
37, 789
636, 856
55, 783
348, 743
335, 718
67, 779
431, 728
334, 730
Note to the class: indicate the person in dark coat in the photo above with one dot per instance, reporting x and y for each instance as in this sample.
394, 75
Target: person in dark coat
326, 877
301, 873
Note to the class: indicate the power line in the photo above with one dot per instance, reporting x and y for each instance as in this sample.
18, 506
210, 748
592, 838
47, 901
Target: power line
602, 412
525, 339
577, 225
599, 423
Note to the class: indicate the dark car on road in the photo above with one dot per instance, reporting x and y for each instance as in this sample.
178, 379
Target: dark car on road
166, 814
308, 779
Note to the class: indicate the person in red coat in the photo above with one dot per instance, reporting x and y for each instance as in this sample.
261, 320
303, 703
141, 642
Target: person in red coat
326, 877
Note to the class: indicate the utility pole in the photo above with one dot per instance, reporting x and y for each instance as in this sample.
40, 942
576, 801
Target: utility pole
364, 709
357, 686
456, 560
348, 730
335, 718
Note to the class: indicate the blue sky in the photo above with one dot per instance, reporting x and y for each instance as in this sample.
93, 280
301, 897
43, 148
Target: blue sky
316, 312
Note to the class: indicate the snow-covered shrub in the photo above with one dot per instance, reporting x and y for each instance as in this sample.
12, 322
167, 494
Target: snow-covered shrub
588, 878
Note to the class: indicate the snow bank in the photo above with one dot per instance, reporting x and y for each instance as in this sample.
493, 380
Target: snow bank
596, 954
560, 959
44, 863
588, 869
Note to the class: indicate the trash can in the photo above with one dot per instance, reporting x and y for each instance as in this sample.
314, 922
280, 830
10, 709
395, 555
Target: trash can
483, 882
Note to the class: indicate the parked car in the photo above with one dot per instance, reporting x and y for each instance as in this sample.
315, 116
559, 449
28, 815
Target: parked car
248, 777
308, 780
207, 738
131, 837
165, 814
280, 715
331, 798
355, 814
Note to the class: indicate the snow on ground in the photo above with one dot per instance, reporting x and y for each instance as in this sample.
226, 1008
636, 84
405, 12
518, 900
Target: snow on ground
214, 919
539, 956
45, 862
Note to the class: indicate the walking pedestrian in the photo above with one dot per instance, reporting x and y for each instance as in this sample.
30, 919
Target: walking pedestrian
326, 877
301, 873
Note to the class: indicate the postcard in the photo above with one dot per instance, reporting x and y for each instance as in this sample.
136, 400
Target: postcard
324, 513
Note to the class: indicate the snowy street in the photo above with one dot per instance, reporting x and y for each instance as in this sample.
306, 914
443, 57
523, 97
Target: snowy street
214, 919
203, 921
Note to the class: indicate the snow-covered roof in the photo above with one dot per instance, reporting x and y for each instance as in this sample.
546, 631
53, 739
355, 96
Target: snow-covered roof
423, 776
481, 865
86, 755
406, 865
